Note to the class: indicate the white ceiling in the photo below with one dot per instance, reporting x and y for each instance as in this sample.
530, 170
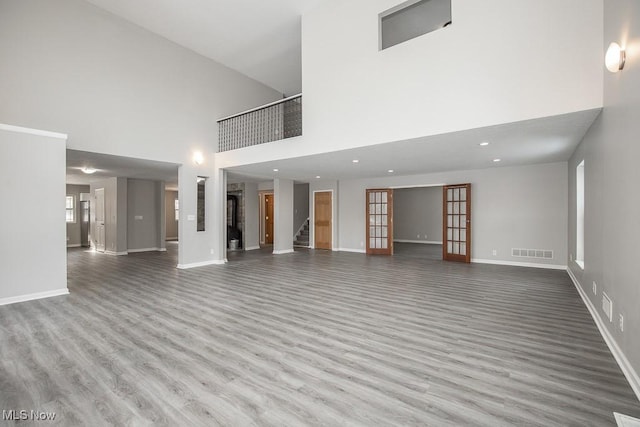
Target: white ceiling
258, 38
108, 166
545, 140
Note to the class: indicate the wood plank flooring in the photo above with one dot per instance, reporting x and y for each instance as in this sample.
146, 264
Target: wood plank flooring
309, 338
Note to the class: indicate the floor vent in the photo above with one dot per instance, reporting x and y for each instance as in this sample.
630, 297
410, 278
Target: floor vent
607, 306
532, 253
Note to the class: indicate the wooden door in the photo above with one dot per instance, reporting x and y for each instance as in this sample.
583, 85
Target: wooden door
379, 222
322, 214
456, 217
268, 219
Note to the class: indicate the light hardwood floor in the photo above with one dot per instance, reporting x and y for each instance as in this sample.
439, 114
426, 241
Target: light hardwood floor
309, 338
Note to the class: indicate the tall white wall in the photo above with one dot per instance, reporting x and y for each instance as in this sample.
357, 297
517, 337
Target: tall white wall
512, 207
500, 61
610, 151
116, 88
32, 223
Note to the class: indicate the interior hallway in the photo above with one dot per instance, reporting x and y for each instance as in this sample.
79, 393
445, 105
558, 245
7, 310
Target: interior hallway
309, 338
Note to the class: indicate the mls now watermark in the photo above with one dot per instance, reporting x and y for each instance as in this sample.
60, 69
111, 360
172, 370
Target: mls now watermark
25, 415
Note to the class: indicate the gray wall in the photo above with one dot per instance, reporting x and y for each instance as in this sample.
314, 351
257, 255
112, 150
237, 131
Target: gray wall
512, 207
300, 206
171, 222
116, 88
612, 207
417, 214
144, 218
73, 228
32, 225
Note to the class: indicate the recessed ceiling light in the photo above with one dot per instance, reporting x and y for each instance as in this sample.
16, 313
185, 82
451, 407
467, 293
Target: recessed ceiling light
355, 161
497, 160
317, 176
484, 144
276, 170
390, 171
88, 170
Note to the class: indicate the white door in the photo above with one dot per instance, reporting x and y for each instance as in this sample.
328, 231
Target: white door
100, 246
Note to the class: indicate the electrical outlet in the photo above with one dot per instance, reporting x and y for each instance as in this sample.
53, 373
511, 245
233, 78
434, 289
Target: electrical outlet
621, 322
425, 237
595, 288
211, 251
495, 252
417, 236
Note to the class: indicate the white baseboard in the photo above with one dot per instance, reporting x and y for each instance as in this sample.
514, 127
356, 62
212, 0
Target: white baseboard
162, 249
423, 242
286, 251
200, 264
133, 251
30, 297
623, 362
252, 248
74, 245
171, 239
519, 264
357, 251
116, 253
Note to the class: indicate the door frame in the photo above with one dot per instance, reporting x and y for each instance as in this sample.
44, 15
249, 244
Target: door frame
389, 249
446, 256
104, 221
261, 212
312, 240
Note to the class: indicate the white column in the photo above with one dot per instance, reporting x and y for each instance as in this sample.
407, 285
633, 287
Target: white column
218, 205
283, 216
251, 216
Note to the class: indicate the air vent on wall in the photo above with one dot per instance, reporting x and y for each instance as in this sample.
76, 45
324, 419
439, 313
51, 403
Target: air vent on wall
532, 253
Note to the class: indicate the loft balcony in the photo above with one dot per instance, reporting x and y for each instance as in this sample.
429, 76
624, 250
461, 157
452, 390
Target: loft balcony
272, 122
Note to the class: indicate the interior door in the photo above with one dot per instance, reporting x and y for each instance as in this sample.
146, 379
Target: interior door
100, 229
322, 220
268, 219
456, 238
379, 222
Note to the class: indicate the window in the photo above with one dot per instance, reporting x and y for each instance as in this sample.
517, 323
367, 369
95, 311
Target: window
71, 208
176, 205
413, 19
580, 215
200, 209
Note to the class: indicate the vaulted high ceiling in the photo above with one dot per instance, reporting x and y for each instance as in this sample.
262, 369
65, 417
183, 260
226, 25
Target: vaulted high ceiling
258, 38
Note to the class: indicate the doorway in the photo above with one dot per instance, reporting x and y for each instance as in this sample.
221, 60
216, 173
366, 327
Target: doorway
267, 203
100, 231
379, 221
417, 231
322, 220
456, 217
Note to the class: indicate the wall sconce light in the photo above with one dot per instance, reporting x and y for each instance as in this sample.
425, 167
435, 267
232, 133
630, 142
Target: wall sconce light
615, 58
198, 158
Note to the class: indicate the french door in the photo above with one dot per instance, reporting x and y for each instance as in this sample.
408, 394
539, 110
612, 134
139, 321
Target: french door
379, 222
456, 238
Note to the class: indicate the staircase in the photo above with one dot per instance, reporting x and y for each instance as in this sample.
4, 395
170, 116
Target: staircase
302, 238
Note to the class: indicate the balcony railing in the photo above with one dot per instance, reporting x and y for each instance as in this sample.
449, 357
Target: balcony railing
272, 122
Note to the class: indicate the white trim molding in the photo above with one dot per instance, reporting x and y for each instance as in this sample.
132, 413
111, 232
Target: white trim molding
519, 264
37, 295
200, 264
355, 251
30, 131
132, 251
623, 362
74, 245
252, 248
115, 253
422, 242
285, 251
